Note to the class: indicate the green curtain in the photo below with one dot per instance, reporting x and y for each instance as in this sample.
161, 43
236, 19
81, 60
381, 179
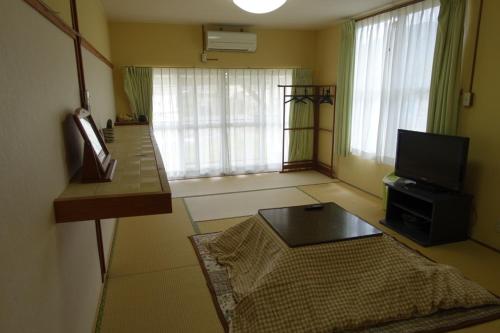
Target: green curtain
444, 96
301, 142
345, 82
138, 85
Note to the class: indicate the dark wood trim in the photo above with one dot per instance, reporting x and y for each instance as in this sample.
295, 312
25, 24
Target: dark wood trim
100, 249
50, 15
299, 165
298, 128
81, 74
476, 46
74, 16
316, 102
130, 123
86, 44
78, 56
284, 126
298, 162
390, 9
111, 206
305, 165
305, 85
485, 245
325, 169
316, 110
203, 32
333, 131
159, 163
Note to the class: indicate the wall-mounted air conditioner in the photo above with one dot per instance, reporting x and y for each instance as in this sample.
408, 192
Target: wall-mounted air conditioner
230, 41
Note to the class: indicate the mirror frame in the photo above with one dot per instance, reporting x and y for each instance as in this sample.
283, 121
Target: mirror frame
104, 156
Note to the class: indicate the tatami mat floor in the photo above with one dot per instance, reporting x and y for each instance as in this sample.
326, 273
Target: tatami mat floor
207, 227
243, 183
155, 284
220, 206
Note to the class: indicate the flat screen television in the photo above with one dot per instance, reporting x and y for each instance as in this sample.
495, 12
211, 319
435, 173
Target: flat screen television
432, 159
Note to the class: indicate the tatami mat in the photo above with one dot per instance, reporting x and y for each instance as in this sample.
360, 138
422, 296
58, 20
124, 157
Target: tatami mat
360, 203
153, 243
263, 181
215, 207
219, 225
155, 283
489, 327
174, 301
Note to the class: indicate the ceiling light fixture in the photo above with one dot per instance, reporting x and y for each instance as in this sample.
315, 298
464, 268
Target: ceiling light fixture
259, 6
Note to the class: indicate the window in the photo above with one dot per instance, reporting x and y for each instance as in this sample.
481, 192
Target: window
392, 77
211, 122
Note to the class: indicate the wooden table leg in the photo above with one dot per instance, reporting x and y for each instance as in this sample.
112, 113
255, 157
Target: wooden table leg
100, 248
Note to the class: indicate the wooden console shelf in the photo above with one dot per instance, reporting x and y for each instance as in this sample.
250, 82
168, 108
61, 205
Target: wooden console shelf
139, 186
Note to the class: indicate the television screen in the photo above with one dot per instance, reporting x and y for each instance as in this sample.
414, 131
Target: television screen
434, 159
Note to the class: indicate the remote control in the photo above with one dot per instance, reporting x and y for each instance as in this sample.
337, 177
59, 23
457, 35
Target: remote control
314, 207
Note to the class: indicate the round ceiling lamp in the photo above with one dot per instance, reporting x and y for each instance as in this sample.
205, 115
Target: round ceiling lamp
259, 6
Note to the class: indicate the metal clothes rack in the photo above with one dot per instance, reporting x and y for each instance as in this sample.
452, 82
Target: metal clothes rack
317, 95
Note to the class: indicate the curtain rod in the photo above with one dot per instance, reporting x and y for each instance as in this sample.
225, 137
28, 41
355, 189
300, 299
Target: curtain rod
390, 9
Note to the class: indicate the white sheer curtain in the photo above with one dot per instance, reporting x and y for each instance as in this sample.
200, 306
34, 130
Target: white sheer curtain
211, 122
393, 66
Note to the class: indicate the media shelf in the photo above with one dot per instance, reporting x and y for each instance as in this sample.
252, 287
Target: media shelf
427, 217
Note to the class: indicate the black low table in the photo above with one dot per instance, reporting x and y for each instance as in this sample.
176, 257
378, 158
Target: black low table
316, 224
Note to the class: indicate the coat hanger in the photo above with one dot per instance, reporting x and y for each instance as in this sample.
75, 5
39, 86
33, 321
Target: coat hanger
326, 97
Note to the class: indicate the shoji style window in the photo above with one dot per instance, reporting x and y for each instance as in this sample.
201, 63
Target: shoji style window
211, 122
393, 66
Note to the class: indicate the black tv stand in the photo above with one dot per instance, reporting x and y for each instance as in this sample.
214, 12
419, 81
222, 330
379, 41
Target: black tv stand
426, 216
419, 186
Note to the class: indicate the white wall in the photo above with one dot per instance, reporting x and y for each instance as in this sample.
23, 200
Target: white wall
49, 273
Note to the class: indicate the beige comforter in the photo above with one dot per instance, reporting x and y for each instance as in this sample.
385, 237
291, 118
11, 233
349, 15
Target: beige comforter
333, 287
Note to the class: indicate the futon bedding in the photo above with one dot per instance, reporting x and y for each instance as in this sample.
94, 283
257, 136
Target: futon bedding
333, 287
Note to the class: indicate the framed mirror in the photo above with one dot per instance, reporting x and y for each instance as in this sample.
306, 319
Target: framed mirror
97, 163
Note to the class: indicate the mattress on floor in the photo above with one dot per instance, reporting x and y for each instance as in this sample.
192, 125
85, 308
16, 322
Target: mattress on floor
336, 286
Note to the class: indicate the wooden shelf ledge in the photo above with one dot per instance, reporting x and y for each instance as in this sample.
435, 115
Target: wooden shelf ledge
139, 186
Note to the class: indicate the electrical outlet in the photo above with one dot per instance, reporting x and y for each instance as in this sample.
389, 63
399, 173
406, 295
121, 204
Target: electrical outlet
204, 57
467, 99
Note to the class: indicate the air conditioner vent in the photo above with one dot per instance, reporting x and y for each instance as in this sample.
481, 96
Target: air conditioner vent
230, 41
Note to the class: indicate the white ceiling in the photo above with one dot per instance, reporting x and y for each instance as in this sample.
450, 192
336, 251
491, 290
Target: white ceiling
301, 14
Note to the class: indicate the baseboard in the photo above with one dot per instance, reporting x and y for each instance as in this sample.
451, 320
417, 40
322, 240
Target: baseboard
485, 245
325, 169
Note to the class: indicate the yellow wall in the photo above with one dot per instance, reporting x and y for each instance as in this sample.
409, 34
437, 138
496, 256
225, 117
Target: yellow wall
327, 44
92, 21
93, 24
327, 50
145, 44
61, 8
482, 124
